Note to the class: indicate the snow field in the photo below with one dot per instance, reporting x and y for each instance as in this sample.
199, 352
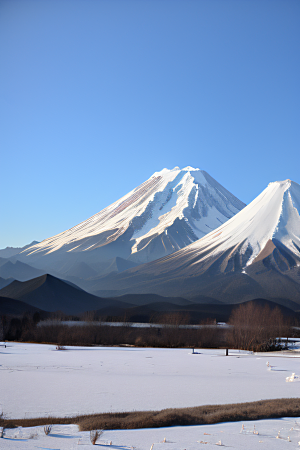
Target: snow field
37, 380
264, 434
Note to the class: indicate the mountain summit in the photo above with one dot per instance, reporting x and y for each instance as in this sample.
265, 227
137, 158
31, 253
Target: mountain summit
270, 225
170, 210
254, 254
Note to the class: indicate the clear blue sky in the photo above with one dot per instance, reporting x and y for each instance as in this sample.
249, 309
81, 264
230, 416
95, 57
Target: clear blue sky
97, 95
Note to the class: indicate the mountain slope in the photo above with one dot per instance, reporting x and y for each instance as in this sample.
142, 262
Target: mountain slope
169, 211
51, 294
254, 254
85, 271
17, 307
5, 282
19, 271
194, 313
8, 252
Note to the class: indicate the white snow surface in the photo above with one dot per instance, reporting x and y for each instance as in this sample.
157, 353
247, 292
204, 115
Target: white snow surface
150, 209
37, 380
273, 215
235, 435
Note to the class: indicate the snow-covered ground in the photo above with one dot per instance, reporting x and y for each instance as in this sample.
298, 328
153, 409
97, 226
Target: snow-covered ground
227, 435
37, 380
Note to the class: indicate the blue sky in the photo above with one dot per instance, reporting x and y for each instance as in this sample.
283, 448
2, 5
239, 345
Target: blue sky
97, 95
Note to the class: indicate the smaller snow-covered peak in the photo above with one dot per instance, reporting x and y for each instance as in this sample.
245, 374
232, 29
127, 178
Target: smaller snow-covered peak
272, 216
283, 183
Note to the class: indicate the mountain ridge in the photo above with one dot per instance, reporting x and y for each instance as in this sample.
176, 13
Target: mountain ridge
165, 213
254, 254
51, 294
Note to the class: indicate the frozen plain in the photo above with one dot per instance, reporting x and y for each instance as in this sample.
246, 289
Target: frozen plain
37, 380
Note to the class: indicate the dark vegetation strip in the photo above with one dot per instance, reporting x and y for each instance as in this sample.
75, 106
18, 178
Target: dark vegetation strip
199, 415
254, 327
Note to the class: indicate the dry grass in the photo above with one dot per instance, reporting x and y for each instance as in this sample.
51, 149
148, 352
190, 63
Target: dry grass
200, 415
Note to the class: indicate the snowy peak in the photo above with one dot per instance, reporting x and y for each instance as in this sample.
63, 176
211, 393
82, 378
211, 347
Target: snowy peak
190, 196
287, 230
165, 213
270, 223
255, 254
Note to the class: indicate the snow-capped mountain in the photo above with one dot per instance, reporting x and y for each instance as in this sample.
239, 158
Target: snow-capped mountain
254, 254
170, 210
271, 223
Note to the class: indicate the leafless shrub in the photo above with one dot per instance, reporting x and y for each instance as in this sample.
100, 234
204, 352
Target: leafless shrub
2, 425
47, 429
94, 436
139, 342
175, 318
90, 316
60, 347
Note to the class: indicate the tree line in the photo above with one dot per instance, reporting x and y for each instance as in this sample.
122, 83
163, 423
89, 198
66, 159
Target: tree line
251, 327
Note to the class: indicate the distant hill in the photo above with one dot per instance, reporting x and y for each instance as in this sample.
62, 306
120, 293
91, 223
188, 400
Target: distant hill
9, 306
19, 271
51, 294
80, 270
5, 282
87, 275
146, 299
3, 261
8, 252
194, 313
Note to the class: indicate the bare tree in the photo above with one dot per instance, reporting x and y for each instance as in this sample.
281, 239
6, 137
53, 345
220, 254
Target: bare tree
254, 327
